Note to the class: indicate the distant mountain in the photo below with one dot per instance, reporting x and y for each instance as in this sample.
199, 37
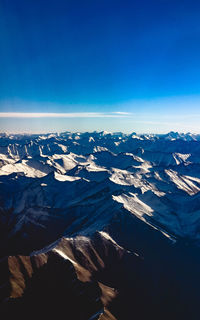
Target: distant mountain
100, 223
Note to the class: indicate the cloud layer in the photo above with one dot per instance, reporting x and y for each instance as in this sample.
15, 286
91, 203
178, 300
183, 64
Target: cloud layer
63, 115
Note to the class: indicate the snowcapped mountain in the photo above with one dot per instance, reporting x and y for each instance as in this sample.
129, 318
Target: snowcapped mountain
105, 203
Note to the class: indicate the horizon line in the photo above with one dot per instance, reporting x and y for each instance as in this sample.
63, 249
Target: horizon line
98, 131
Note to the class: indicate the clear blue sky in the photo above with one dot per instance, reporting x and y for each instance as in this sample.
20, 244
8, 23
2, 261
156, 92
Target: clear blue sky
101, 56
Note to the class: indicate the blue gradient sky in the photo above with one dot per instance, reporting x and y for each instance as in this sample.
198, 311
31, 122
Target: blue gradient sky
68, 56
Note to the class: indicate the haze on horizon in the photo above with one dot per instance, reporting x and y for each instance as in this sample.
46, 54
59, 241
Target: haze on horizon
100, 65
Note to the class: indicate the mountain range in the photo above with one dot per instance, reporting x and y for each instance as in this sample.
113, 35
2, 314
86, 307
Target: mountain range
100, 225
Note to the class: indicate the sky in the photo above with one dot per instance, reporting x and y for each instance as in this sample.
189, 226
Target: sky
115, 65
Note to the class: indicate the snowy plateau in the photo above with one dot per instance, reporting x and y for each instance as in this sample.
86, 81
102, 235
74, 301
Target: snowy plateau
100, 226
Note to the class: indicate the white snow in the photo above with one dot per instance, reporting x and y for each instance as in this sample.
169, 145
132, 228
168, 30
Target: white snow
62, 254
156, 178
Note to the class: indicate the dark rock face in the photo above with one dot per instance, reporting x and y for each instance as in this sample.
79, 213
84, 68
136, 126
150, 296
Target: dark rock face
55, 290
85, 277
